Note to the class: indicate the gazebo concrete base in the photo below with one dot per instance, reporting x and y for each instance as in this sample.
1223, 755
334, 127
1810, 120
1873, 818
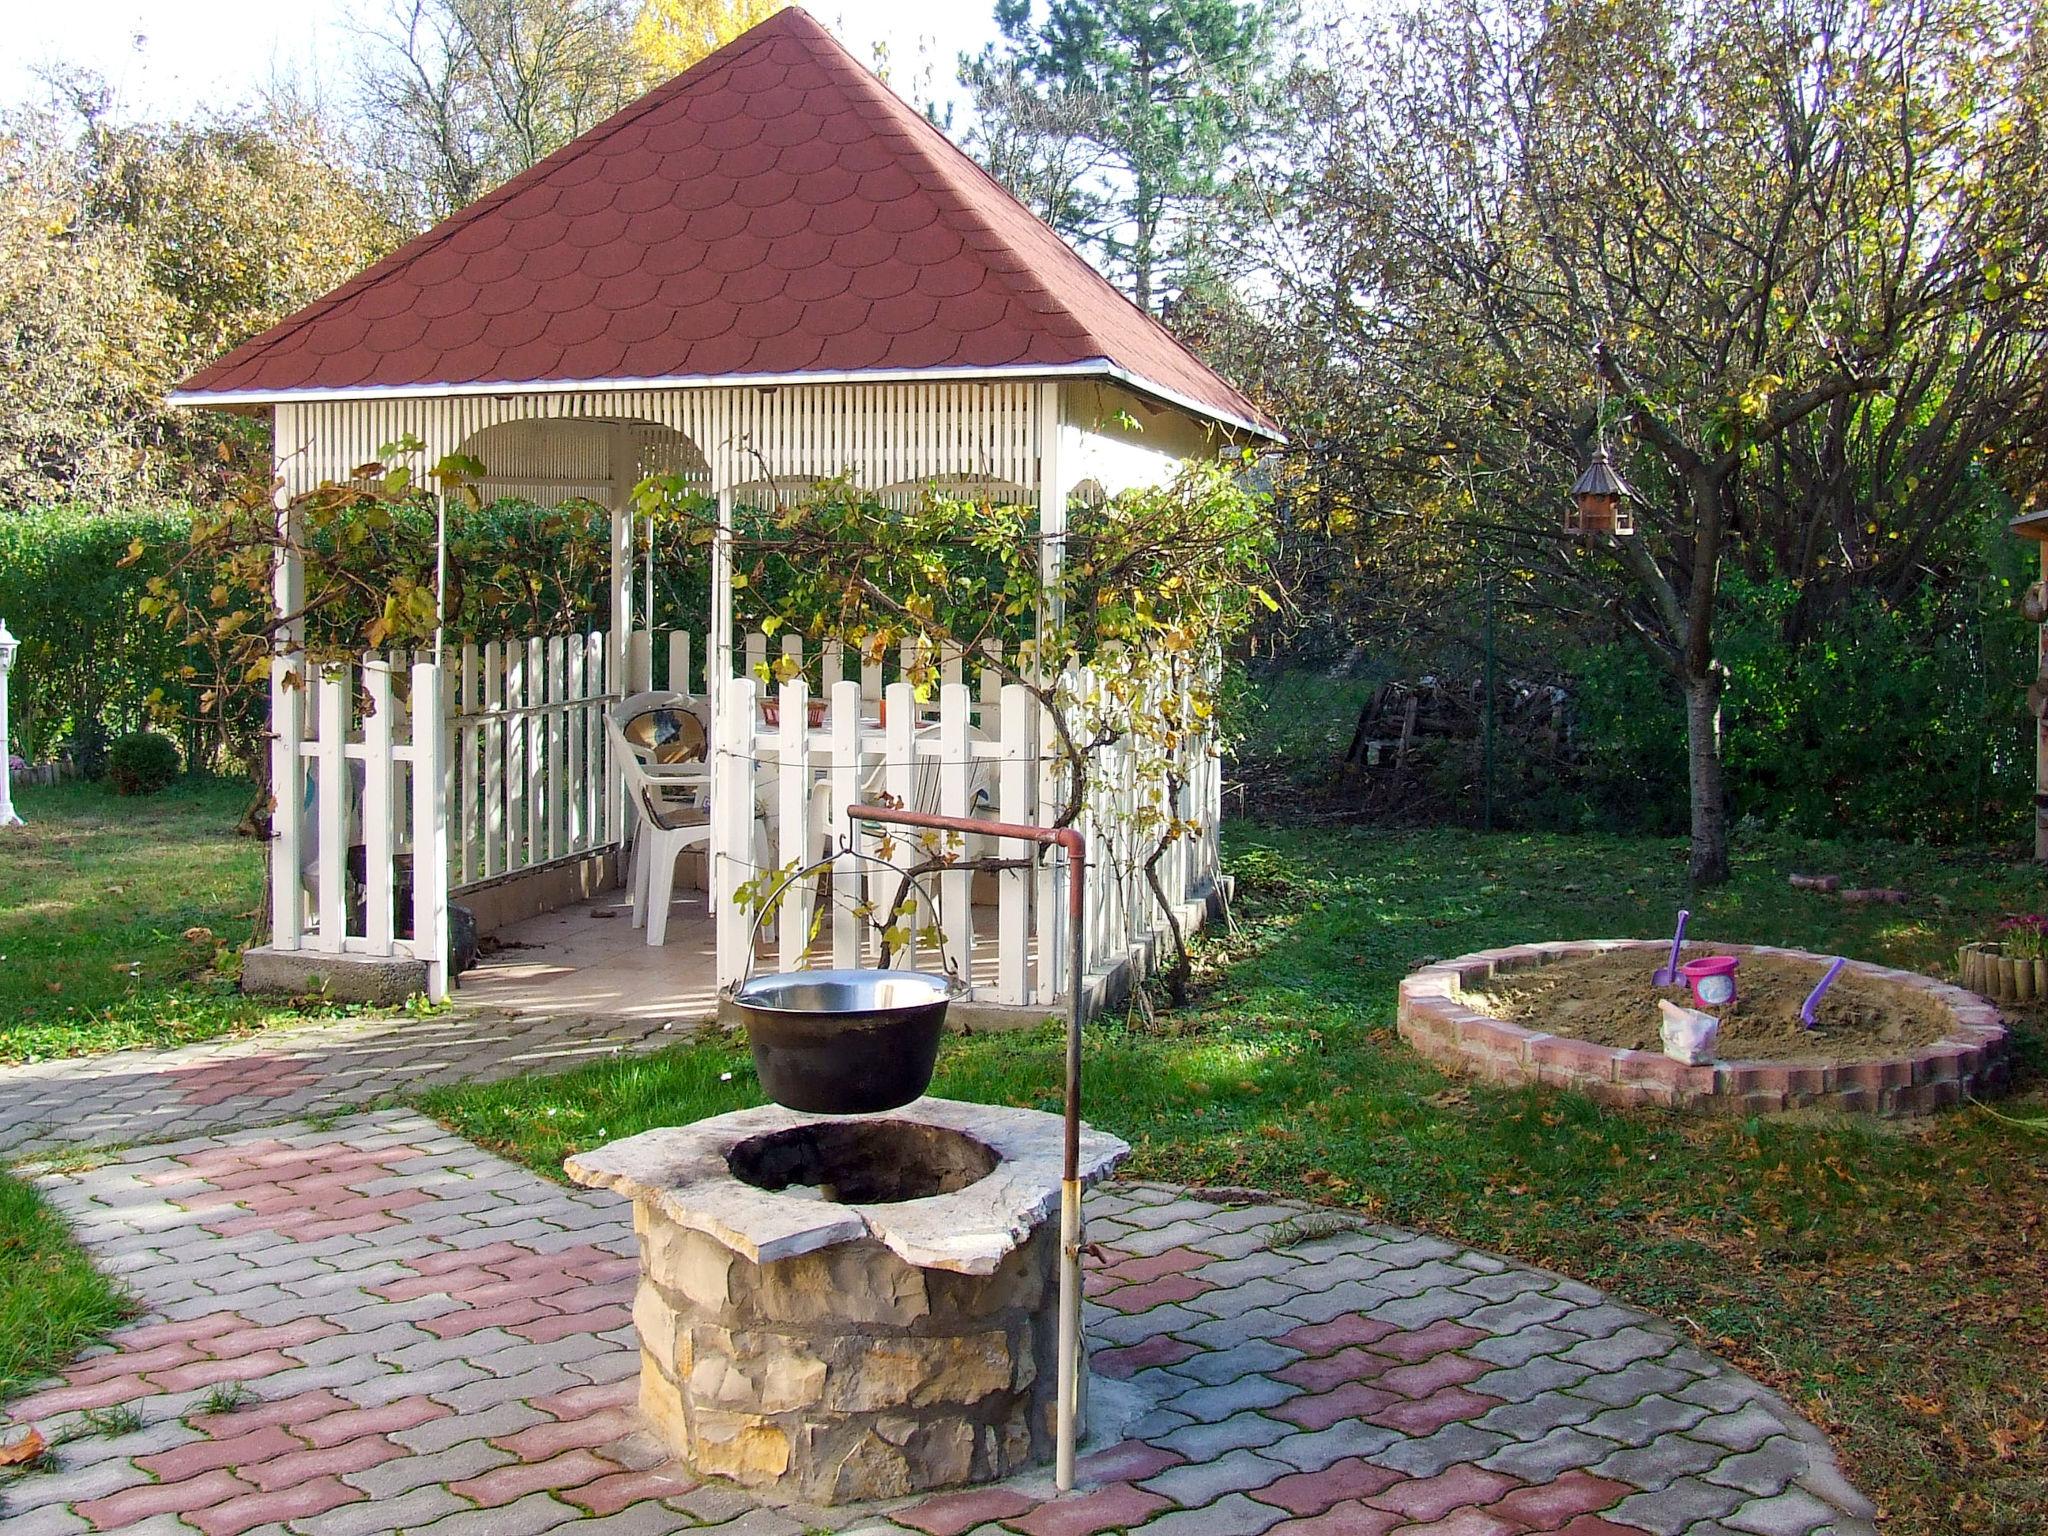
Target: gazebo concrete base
383, 980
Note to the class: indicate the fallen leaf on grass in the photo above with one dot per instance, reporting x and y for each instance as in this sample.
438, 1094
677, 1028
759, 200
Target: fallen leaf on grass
25, 1450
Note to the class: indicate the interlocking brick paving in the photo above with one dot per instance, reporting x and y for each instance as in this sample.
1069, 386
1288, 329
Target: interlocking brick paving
424, 1338
134, 1097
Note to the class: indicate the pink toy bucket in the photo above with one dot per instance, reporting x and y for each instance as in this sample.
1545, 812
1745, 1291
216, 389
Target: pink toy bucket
1712, 979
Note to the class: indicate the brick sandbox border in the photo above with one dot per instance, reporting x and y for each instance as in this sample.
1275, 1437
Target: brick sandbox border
1435, 1018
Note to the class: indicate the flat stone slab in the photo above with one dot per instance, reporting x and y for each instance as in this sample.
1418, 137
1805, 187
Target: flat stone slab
683, 1172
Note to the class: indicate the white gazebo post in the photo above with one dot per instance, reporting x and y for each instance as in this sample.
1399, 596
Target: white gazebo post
8, 818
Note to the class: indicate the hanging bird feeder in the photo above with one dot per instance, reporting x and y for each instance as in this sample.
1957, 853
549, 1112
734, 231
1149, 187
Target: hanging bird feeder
1600, 501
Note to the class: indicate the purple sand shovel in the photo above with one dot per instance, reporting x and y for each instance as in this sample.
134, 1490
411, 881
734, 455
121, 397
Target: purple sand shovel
1667, 975
1806, 1019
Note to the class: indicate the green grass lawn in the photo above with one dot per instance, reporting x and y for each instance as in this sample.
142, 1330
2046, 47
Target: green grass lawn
1888, 1277
52, 1301
115, 912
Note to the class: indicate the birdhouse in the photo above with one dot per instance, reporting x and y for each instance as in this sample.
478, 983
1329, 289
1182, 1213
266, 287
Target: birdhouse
1600, 499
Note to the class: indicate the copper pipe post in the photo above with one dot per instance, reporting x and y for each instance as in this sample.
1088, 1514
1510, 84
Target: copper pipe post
1069, 1388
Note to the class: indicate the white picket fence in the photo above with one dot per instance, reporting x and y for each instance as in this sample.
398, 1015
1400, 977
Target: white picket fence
359, 764
993, 755
512, 735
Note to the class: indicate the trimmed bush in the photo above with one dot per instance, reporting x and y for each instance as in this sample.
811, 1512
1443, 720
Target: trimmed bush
141, 763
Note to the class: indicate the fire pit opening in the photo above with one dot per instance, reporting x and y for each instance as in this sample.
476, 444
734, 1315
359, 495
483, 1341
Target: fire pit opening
864, 1162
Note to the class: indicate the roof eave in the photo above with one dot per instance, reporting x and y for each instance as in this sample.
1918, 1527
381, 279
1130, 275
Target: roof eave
1100, 367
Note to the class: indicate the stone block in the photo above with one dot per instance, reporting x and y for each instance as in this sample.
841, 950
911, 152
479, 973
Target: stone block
742, 1446
693, 1267
384, 981
858, 1282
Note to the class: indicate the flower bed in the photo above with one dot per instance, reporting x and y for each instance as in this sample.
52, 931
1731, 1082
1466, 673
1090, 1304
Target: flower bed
1438, 1017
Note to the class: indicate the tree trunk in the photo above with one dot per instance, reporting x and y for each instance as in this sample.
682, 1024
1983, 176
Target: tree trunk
1703, 761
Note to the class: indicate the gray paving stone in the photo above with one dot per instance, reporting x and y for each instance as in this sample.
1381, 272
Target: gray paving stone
1764, 1471
1501, 1284
1615, 1350
1677, 1508
1523, 1346
1748, 1427
1447, 1447
1539, 1461
1519, 1383
1263, 1323
1262, 1265
1662, 1462
1255, 1356
1246, 1294
1538, 1416
1214, 1404
1420, 1311
1630, 1384
1195, 1483
1120, 1329
379, 1516
1640, 1423
1241, 1432
1232, 1516
1601, 1320
529, 1516
1312, 1450
1346, 1296
1434, 1275
1511, 1316
1794, 1513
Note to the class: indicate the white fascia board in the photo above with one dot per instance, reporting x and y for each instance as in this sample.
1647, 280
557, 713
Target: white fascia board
1100, 367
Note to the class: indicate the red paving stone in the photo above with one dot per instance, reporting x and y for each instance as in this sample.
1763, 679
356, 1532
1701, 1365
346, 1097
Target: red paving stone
1426, 1415
209, 1326
1462, 1522
211, 1373
300, 1501
502, 1485
1432, 1498
338, 1428
1349, 1519
258, 1444
1339, 1332
545, 1330
300, 1408
1431, 1375
324, 1461
1548, 1505
99, 1394
1151, 1266
1353, 1400
537, 1442
577, 1401
1310, 1493
954, 1514
609, 1495
1593, 1525
1319, 1373
132, 1505
1421, 1343
1130, 1461
1156, 1293
1121, 1364
1113, 1507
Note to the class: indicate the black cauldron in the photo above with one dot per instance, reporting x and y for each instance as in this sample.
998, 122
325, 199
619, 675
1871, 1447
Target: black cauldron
844, 1042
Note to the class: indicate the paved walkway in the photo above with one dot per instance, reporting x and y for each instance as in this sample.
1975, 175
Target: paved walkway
131, 1098
424, 1338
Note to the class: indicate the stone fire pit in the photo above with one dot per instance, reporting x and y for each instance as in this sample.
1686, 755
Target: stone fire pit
840, 1308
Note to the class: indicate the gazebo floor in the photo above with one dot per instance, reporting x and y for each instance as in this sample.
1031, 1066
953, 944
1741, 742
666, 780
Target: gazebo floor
589, 961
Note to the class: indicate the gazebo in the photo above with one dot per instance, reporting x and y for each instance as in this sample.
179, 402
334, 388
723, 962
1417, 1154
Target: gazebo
768, 272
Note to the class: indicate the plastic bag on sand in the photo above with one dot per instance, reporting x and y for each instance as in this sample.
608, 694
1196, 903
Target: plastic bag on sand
1689, 1035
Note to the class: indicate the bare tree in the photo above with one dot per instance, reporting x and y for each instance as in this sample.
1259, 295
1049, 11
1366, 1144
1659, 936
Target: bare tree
458, 96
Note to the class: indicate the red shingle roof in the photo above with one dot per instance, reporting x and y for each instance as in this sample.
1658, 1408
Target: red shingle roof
774, 211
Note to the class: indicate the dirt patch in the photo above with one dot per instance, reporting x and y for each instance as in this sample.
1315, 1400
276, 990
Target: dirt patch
1607, 998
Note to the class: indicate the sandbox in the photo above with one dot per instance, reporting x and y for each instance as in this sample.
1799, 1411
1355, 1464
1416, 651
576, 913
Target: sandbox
1887, 1042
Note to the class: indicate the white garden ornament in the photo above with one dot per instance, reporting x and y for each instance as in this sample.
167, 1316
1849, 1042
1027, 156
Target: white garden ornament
8, 646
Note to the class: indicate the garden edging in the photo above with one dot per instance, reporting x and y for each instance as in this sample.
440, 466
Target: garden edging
1434, 1017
